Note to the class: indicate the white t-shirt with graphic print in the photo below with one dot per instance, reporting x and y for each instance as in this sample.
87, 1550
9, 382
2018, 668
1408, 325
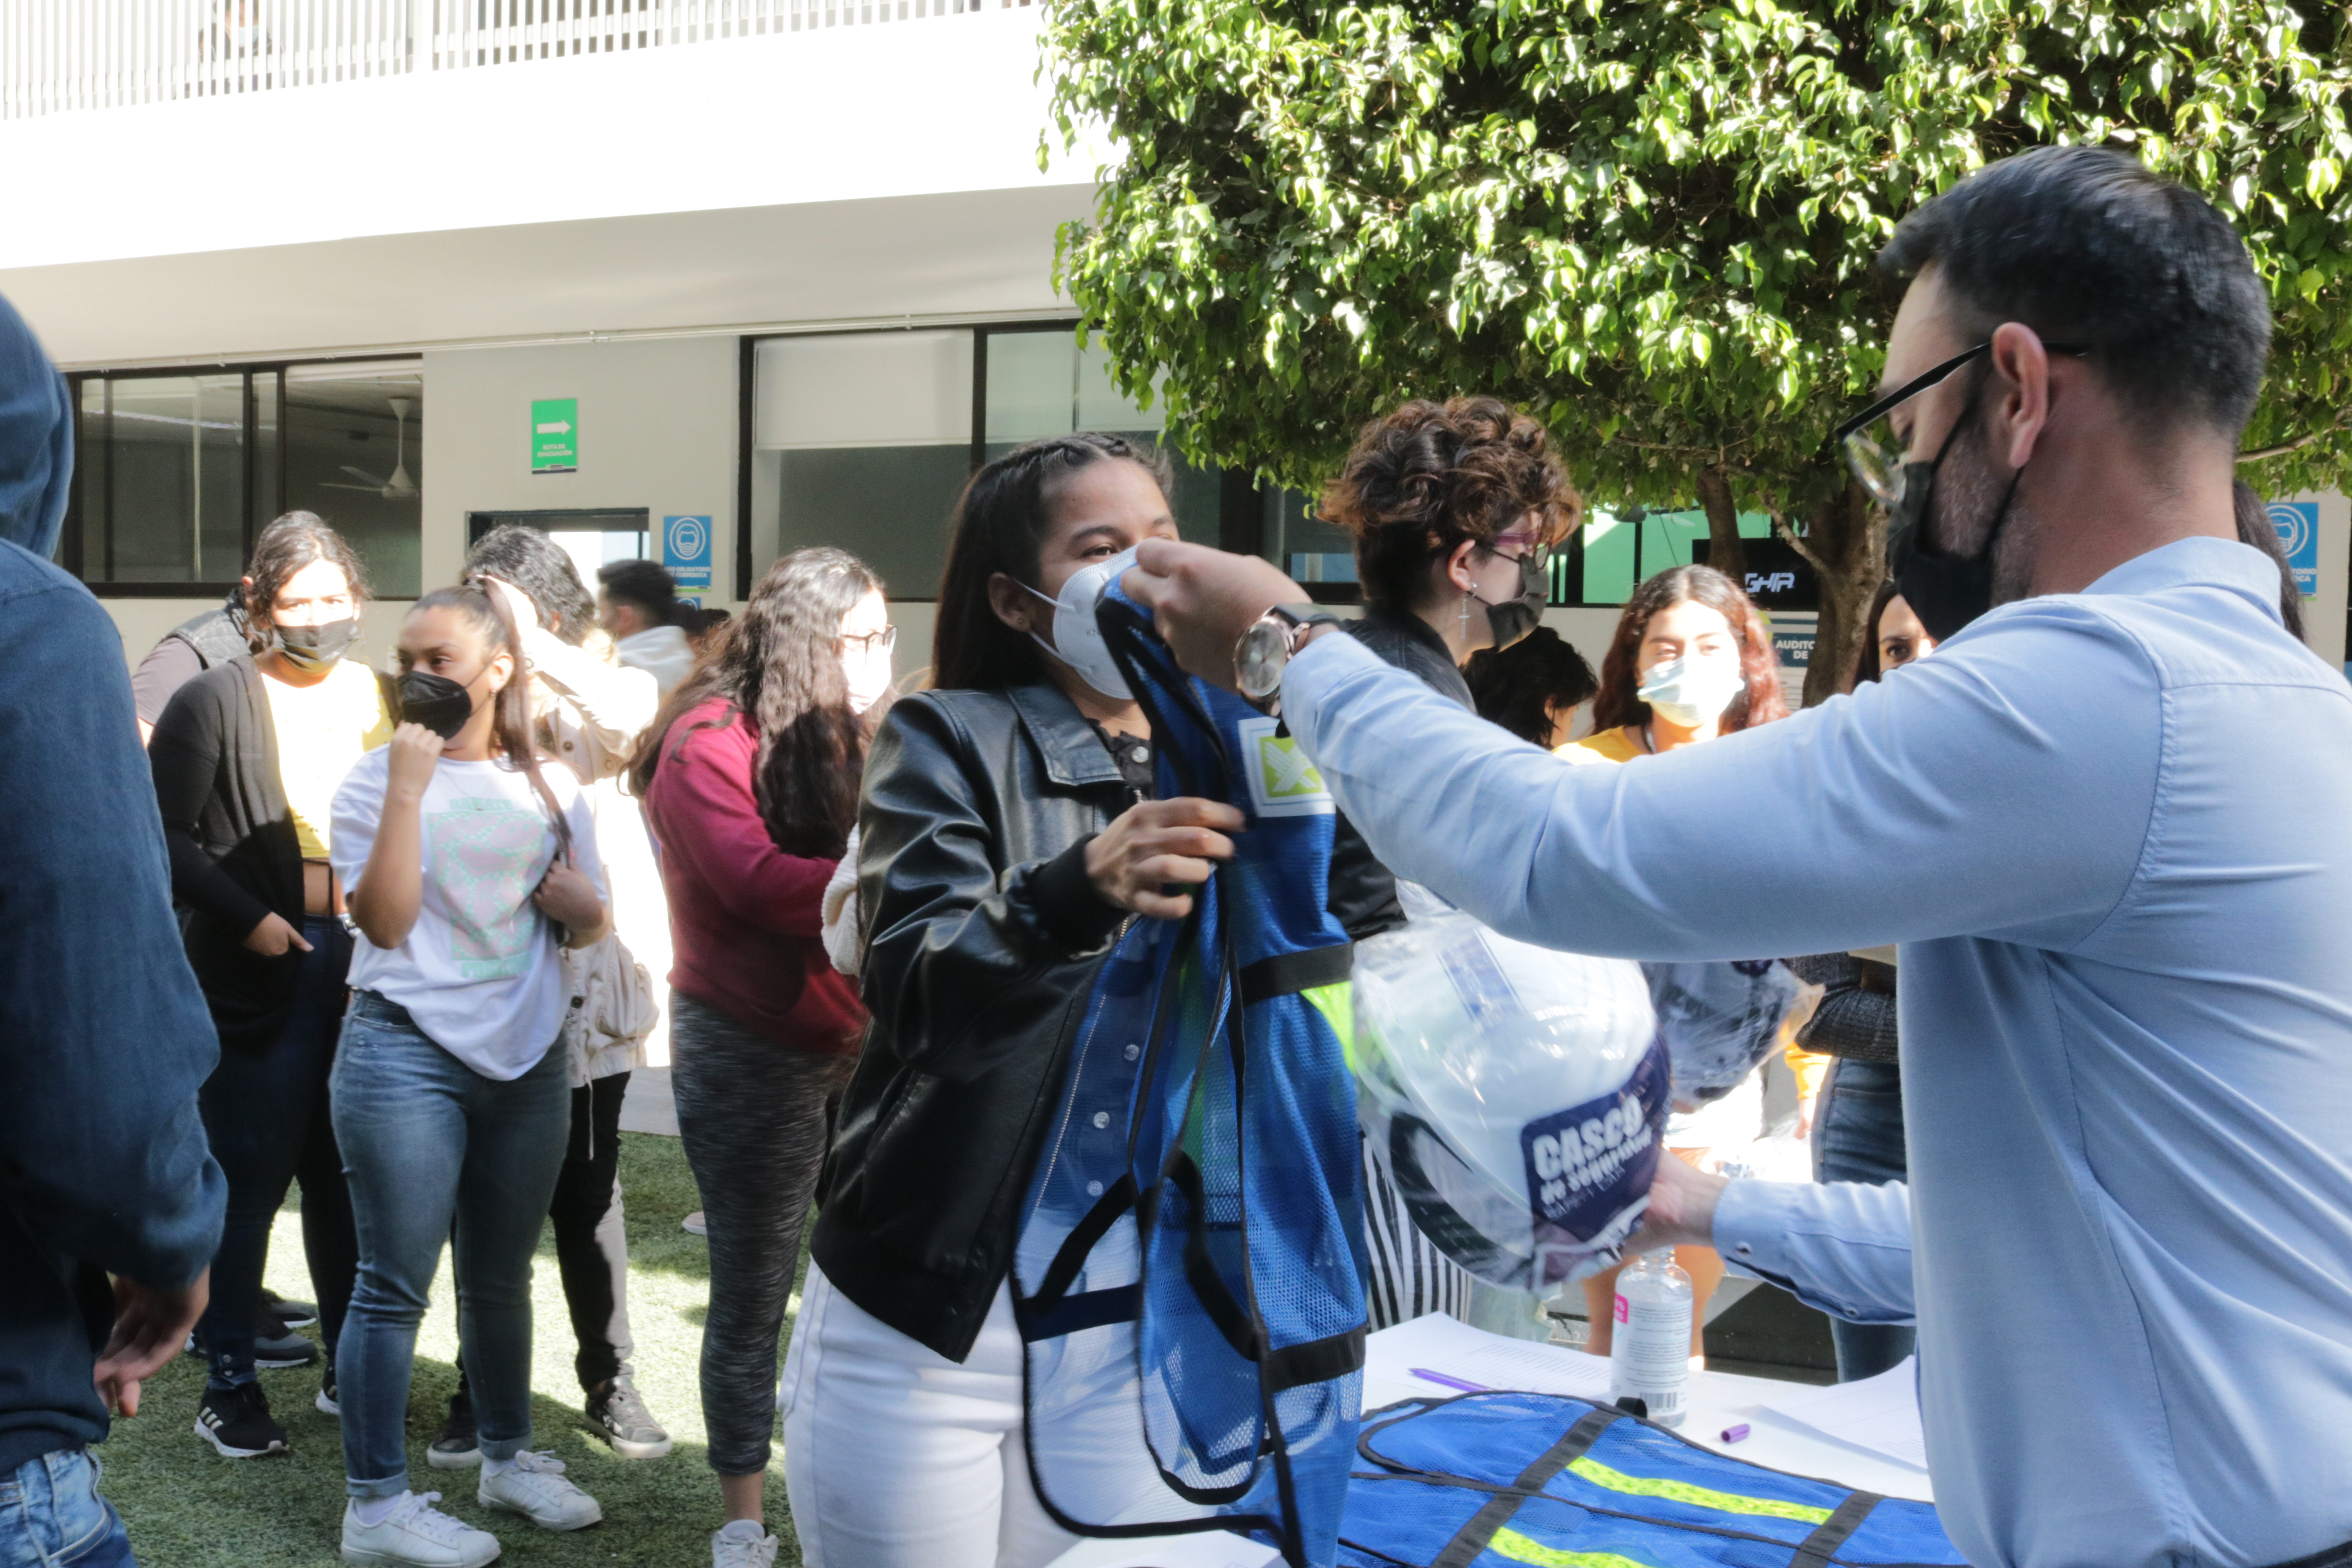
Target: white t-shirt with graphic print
478, 973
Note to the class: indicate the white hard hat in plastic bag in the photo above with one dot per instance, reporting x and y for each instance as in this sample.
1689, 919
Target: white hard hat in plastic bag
1513, 1096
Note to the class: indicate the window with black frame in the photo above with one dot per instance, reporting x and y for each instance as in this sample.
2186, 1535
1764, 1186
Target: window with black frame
176, 471
863, 440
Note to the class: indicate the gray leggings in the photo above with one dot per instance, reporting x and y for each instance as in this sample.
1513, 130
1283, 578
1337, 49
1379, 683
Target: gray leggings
755, 1118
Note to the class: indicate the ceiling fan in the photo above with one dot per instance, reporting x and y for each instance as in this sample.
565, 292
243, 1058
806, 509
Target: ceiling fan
399, 487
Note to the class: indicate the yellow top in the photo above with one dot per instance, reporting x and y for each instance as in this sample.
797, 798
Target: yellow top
1614, 745
1620, 745
322, 730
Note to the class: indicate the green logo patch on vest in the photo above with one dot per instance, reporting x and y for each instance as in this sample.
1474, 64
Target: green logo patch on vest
1283, 781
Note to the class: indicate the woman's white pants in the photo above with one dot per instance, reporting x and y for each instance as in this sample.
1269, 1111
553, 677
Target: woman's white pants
895, 1456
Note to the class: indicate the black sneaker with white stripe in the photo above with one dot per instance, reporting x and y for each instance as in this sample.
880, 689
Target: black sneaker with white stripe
237, 1423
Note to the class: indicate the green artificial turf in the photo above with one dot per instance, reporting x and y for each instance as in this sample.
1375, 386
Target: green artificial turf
188, 1508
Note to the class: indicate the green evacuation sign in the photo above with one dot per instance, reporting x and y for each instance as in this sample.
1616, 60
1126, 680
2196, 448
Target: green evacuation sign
554, 434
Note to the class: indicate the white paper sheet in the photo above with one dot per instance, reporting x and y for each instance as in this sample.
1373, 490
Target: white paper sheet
1210, 1548
1881, 1414
1440, 1344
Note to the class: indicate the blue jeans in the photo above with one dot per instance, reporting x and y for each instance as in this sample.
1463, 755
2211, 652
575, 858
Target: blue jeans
267, 1114
427, 1140
51, 1516
1858, 1137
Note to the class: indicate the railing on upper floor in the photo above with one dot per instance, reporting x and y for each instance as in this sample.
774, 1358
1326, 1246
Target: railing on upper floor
60, 55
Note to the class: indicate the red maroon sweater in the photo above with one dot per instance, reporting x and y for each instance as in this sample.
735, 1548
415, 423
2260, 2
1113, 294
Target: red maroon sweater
743, 915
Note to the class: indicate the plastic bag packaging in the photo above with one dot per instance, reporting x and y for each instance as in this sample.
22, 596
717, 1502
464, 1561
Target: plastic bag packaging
1513, 1096
1719, 1020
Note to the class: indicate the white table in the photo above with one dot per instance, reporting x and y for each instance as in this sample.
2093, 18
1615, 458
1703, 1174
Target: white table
1718, 1400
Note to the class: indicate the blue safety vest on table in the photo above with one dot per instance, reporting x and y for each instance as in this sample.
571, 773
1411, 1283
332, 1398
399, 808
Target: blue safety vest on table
1189, 1274
1491, 1481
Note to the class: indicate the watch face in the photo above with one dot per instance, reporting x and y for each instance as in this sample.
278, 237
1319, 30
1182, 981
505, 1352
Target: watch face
1259, 660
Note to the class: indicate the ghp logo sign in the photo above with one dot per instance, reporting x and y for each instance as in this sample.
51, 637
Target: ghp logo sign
2297, 522
1282, 781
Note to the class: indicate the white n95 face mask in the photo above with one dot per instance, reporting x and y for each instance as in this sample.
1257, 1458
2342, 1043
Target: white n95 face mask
1692, 691
1077, 638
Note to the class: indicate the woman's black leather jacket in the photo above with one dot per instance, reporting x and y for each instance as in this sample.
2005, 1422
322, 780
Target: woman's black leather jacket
985, 936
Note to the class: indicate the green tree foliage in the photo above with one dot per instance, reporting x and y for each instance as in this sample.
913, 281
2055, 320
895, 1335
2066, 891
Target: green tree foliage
1652, 224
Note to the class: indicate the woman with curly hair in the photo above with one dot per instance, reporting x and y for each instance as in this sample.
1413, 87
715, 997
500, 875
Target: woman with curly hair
246, 758
1454, 508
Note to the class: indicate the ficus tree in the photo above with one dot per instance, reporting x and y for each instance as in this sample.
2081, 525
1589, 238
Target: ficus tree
1650, 224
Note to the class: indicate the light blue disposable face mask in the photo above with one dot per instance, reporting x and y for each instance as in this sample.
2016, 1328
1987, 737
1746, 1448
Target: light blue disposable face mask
1689, 691
1077, 638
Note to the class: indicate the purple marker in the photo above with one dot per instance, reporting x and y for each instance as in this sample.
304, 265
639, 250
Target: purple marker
1443, 1381
1733, 1434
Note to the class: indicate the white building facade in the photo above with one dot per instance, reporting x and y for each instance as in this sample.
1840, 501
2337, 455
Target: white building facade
780, 268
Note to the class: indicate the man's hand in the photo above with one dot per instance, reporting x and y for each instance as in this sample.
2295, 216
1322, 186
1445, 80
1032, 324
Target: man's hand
1204, 599
273, 936
1682, 1208
1157, 842
150, 1327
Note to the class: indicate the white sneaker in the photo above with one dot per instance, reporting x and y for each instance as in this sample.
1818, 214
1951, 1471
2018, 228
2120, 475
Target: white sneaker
535, 1489
742, 1544
416, 1535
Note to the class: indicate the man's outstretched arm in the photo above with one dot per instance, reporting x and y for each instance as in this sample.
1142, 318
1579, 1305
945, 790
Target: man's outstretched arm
1841, 1247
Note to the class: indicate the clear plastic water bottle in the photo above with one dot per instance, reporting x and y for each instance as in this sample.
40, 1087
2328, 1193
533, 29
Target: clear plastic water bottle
1649, 1352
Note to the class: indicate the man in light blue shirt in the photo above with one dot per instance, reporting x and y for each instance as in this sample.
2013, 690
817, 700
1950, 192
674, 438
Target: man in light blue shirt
2106, 823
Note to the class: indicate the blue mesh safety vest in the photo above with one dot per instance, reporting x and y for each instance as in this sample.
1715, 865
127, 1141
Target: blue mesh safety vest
1189, 1274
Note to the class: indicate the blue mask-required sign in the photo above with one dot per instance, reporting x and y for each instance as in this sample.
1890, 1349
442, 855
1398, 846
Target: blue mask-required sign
686, 552
2297, 522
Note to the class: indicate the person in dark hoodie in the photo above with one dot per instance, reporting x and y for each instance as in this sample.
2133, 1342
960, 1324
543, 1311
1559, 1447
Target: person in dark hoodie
103, 1035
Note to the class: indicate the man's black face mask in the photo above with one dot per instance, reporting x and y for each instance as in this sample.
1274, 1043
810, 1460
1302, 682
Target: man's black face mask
1946, 591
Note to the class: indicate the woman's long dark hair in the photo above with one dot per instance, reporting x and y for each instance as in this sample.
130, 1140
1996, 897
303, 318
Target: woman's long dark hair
2254, 528
1517, 687
293, 540
510, 728
1615, 706
1866, 666
1000, 520
779, 665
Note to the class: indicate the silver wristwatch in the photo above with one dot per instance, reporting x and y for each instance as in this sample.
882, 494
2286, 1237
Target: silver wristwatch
1265, 648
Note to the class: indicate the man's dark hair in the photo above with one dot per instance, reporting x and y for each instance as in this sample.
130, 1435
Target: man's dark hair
2084, 244
514, 552
646, 585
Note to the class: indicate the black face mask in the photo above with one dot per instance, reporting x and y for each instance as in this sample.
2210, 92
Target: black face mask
1946, 591
436, 701
314, 648
1512, 619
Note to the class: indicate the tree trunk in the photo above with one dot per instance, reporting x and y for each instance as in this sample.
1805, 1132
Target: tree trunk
1724, 553
1847, 545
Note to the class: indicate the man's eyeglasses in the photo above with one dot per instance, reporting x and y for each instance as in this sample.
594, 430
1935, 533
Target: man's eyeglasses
870, 643
1879, 466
